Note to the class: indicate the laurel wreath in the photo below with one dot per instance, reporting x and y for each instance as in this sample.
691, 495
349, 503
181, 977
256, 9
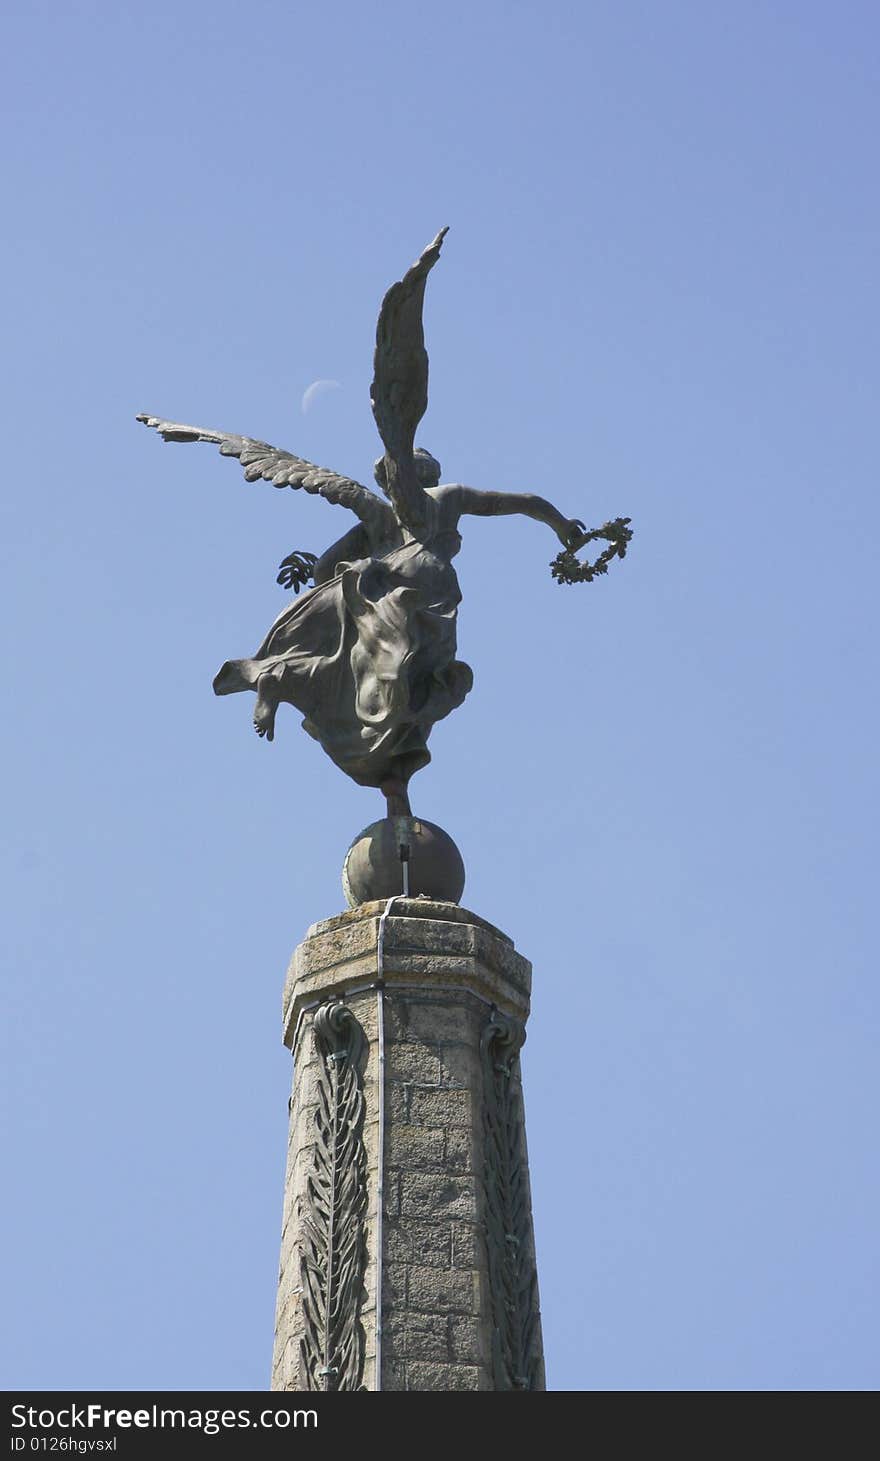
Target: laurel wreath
566, 566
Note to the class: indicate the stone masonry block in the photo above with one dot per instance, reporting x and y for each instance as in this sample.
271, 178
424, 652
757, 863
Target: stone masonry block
391, 1204
468, 1245
415, 1242
417, 1063
464, 1341
458, 1154
413, 1017
424, 935
443, 1291
441, 1107
419, 1336
286, 1367
460, 1066
394, 1285
438, 1195
453, 1338
415, 1146
397, 1103
427, 1375
393, 1372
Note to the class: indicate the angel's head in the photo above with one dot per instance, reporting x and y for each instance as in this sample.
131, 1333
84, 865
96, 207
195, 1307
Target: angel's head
427, 469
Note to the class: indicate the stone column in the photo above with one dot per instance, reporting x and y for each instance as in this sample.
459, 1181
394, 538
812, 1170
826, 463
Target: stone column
407, 1171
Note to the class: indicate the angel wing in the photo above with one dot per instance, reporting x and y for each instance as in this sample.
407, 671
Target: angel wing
281, 468
399, 393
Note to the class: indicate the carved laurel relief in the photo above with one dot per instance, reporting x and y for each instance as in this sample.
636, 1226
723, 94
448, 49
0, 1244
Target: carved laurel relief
513, 1280
332, 1236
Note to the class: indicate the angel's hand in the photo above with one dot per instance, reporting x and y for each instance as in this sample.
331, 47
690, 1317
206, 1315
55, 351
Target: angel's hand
296, 570
572, 534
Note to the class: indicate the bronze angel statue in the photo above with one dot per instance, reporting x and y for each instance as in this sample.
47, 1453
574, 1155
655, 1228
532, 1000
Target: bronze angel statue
368, 654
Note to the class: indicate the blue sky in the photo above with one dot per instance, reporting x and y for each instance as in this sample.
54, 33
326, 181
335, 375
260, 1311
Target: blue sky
658, 298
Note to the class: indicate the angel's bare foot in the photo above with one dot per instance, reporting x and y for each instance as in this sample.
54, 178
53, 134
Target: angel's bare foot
266, 706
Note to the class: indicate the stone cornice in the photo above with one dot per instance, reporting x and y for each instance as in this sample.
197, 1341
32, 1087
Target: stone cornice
438, 945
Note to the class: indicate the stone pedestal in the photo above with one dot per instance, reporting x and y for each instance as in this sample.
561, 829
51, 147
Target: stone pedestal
407, 1172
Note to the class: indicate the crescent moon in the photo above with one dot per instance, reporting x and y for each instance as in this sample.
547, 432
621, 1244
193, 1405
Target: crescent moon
316, 389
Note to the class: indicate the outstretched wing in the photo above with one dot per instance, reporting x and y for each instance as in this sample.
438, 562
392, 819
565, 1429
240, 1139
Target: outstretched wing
399, 393
273, 464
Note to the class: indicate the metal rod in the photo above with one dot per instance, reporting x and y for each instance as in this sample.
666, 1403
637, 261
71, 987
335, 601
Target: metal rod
380, 1143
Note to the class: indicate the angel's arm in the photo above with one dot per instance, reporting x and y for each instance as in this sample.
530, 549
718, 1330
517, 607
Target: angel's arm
281, 468
299, 568
502, 504
353, 545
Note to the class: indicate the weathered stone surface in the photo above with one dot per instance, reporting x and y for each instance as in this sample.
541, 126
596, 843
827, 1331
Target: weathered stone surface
459, 1066
437, 1193
444, 972
415, 1146
427, 1376
419, 1064
397, 1103
447, 1291
425, 908
420, 1243
435, 947
458, 1151
395, 1281
394, 1373
453, 1338
467, 1245
440, 1107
